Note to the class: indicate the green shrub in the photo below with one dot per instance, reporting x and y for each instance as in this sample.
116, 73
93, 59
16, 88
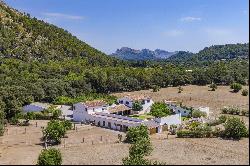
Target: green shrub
223, 118
137, 106
236, 87
136, 133
159, 109
155, 88
180, 89
243, 112
213, 86
234, 128
198, 114
54, 131
14, 120
224, 110
50, 157
244, 92
67, 124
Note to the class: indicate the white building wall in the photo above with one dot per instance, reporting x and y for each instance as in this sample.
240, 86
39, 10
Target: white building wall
179, 110
146, 106
204, 109
80, 113
169, 120
126, 101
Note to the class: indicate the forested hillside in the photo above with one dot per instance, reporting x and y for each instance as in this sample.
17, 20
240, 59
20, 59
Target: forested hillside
27, 38
40, 62
224, 52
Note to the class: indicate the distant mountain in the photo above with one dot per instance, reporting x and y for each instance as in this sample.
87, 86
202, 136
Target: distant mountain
212, 53
144, 54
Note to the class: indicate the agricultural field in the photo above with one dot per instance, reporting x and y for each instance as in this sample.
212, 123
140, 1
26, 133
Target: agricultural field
18, 147
197, 96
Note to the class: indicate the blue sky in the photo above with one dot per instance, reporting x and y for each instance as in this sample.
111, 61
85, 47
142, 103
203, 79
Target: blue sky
188, 25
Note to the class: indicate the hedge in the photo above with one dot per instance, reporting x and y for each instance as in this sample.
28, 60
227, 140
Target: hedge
194, 134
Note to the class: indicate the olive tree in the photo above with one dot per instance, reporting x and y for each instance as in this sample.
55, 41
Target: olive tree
54, 131
137, 106
234, 128
50, 157
159, 109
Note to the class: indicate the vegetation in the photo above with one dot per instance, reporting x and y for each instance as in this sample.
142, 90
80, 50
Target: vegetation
1, 122
234, 111
159, 109
87, 97
198, 114
236, 87
156, 88
141, 146
50, 157
55, 130
244, 92
220, 120
213, 87
136, 133
180, 89
137, 106
235, 128
41, 62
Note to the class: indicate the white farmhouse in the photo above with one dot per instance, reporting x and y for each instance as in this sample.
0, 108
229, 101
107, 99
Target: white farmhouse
168, 121
177, 109
128, 101
97, 113
83, 110
35, 107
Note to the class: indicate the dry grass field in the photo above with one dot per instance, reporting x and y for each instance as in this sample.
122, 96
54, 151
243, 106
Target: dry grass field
18, 147
196, 96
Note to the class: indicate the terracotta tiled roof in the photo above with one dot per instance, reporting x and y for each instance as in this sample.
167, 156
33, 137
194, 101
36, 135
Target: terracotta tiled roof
117, 108
94, 103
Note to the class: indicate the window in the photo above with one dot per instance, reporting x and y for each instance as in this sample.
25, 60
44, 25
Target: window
148, 100
109, 125
103, 123
121, 101
143, 102
127, 102
86, 109
179, 111
185, 112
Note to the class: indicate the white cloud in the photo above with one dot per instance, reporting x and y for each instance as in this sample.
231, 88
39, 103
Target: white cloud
62, 16
173, 33
190, 19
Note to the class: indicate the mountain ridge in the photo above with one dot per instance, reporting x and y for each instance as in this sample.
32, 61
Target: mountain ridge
127, 53
211, 53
